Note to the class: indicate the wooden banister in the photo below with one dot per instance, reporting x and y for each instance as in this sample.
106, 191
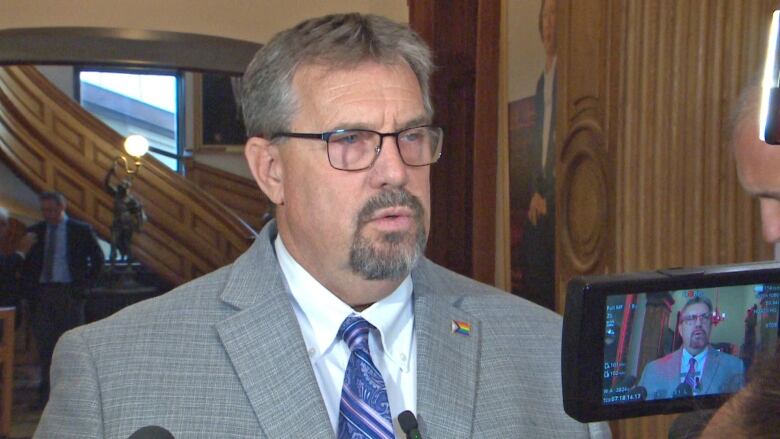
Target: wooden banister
240, 194
52, 143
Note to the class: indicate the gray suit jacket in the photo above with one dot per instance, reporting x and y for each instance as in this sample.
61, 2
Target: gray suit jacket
723, 373
223, 357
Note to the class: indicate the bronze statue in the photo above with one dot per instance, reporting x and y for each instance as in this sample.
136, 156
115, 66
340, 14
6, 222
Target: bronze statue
129, 217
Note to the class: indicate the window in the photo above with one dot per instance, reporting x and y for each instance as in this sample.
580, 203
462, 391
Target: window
130, 102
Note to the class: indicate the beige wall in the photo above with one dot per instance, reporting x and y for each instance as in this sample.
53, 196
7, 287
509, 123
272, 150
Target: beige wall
253, 20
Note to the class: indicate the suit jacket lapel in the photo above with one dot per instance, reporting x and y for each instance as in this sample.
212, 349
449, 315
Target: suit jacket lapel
710, 367
447, 362
674, 373
265, 346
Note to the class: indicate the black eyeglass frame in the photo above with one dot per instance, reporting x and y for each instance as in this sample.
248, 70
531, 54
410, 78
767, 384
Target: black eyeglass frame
377, 149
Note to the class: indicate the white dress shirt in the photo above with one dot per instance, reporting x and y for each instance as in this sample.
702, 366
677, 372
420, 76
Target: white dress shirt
393, 345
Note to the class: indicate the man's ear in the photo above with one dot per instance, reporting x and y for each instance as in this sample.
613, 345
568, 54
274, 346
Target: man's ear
264, 162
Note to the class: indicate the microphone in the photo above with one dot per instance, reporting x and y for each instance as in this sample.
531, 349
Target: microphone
683, 390
151, 432
408, 424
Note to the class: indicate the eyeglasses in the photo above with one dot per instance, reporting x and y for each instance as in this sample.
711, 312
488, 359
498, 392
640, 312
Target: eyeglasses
691, 320
356, 150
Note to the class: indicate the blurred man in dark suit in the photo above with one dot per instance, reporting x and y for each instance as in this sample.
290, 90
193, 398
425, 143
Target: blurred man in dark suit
63, 263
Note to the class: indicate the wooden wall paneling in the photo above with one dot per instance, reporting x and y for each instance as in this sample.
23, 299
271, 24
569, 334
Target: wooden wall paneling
462, 35
483, 258
240, 194
729, 193
676, 212
583, 168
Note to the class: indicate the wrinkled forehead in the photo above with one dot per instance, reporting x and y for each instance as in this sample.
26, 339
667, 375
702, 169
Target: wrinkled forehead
50, 204
695, 309
337, 89
313, 72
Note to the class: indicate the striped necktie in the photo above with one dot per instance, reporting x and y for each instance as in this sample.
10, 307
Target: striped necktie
690, 377
49, 250
364, 411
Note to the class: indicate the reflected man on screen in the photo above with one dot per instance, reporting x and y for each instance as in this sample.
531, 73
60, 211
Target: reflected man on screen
696, 368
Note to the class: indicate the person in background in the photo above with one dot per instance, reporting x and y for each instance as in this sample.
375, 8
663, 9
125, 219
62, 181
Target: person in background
754, 412
64, 262
758, 164
11, 264
751, 412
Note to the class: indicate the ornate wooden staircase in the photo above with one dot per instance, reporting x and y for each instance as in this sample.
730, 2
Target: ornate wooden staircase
53, 144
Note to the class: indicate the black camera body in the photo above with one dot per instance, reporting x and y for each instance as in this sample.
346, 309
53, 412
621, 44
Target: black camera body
624, 337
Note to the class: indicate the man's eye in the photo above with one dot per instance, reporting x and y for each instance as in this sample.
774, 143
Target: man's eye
412, 136
346, 138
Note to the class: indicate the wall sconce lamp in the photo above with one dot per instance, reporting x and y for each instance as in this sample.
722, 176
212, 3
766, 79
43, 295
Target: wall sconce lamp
135, 147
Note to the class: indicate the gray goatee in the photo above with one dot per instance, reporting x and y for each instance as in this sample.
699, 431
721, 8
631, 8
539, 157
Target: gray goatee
393, 255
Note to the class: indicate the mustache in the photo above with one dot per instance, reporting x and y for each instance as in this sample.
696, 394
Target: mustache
390, 198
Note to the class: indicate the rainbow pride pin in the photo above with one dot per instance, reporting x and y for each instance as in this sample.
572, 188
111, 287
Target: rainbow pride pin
462, 328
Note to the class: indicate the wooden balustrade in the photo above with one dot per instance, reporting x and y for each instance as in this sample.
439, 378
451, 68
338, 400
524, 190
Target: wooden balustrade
240, 194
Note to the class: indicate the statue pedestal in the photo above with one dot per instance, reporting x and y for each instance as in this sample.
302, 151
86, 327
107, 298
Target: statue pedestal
119, 287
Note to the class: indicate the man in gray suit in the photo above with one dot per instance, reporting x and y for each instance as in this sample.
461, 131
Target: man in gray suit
696, 368
341, 141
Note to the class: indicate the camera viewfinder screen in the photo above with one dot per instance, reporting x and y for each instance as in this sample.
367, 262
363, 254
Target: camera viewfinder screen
686, 343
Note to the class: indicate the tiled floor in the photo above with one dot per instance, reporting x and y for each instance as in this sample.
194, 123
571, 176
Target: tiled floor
23, 418
24, 414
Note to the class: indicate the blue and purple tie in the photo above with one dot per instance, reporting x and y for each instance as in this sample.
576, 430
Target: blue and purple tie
690, 377
364, 411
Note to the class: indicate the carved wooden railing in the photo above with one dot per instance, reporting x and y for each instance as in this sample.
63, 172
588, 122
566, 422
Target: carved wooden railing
54, 144
239, 194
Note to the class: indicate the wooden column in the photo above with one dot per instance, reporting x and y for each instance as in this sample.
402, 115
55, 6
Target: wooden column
464, 36
657, 314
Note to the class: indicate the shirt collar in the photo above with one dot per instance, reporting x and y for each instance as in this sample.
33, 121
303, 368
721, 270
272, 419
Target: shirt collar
62, 221
686, 357
324, 313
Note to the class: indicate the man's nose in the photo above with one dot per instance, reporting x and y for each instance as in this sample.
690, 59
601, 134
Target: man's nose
389, 166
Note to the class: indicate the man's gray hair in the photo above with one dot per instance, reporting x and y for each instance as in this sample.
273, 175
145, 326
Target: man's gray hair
55, 196
697, 299
4, 216
268, 100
